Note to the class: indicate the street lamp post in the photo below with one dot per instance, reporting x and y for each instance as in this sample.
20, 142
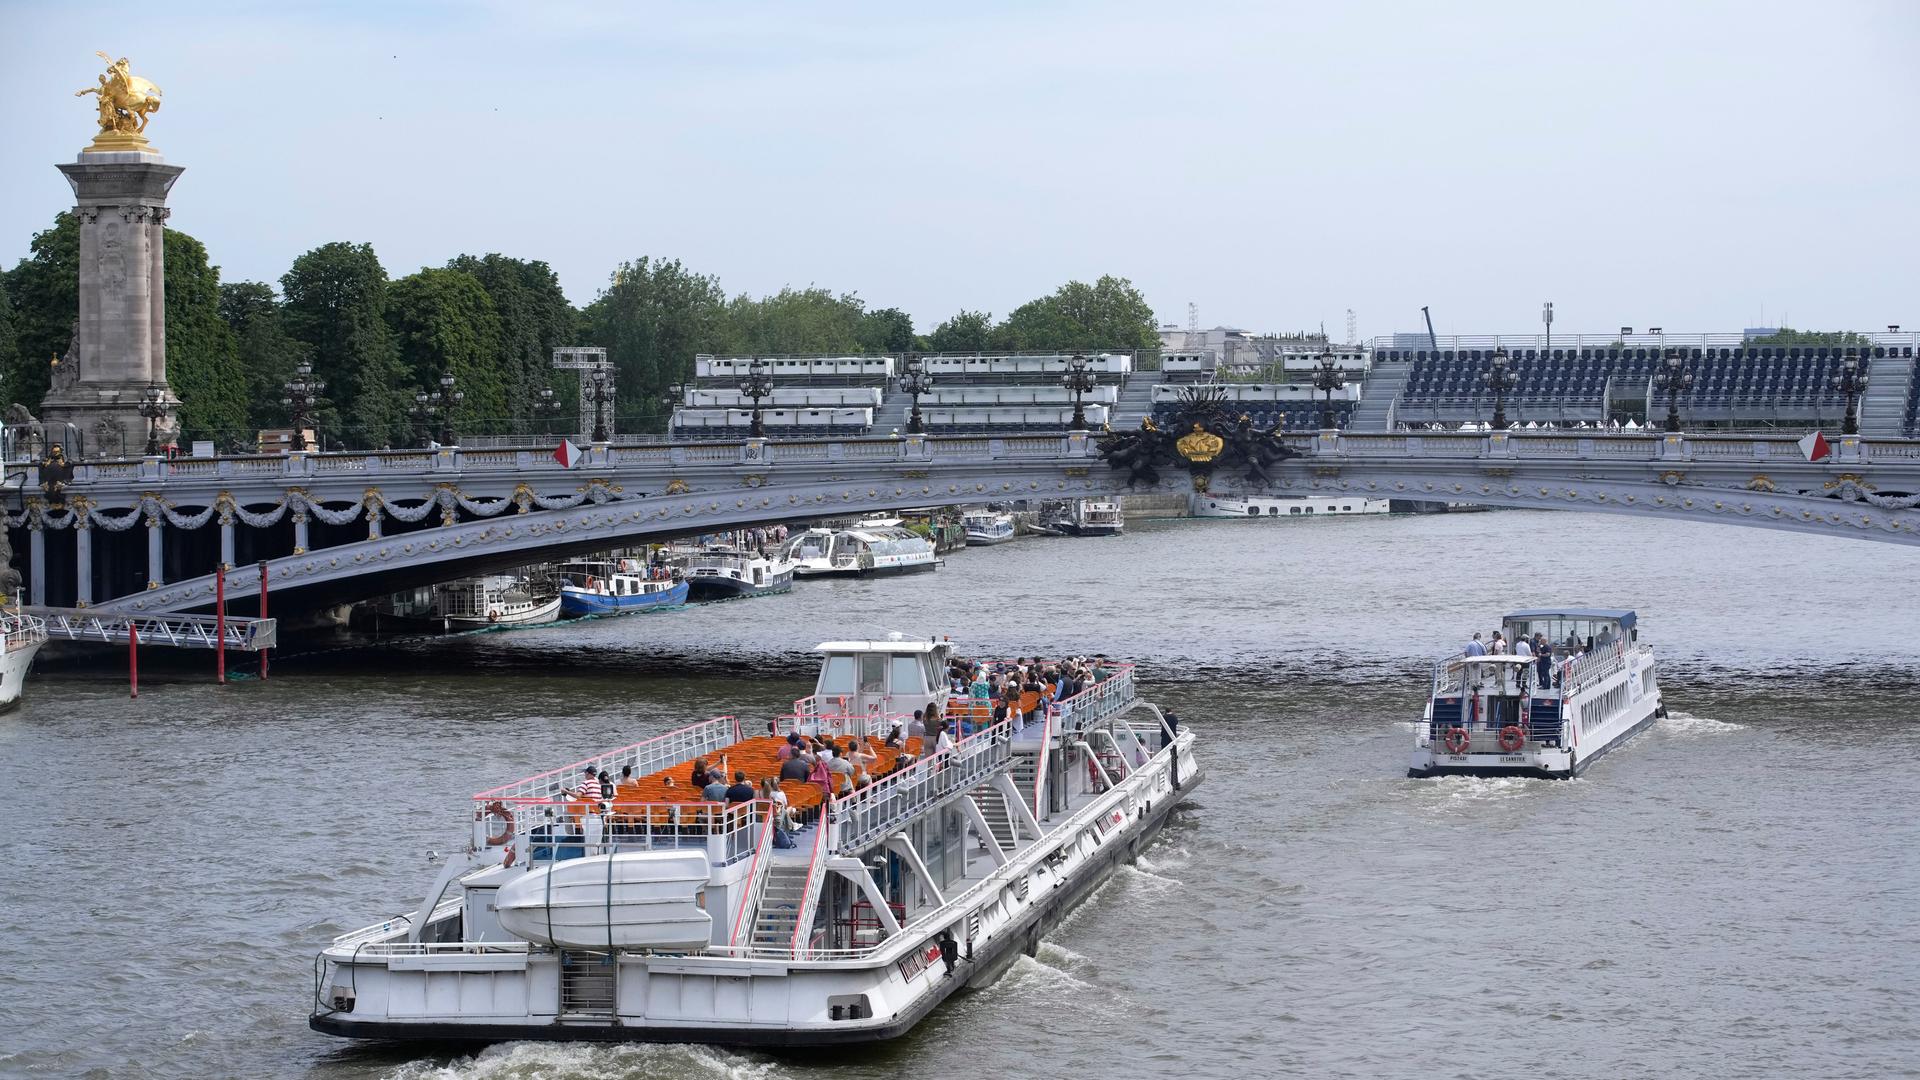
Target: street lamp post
757, 385
545, 409
599, 394
1852, 382
915, 382
434, 411
1500, 378
300, 395
1079, 380
1327, 378
671, 399
154, 410
1675, 379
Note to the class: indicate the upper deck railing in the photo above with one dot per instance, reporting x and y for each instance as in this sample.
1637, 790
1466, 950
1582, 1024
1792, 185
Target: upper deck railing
649, 756
866, 815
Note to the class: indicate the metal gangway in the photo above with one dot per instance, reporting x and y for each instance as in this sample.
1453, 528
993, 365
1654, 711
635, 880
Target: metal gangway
179, 631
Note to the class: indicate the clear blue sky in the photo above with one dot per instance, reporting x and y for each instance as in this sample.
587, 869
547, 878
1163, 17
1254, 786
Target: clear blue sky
1702, 166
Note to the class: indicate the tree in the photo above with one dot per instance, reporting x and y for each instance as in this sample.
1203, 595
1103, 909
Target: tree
966, 332
443, 323
336, 298
535, 317
1784, 336
888, 330
652, 318
9, 347
1109, 314
45, 292
794, 321
268, 354
203, 362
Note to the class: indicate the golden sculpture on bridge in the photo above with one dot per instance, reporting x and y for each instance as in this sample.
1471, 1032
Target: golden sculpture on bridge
126, 102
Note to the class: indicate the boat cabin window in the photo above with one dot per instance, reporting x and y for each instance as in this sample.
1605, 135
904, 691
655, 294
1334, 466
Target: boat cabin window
873, 673
906, 675
836, 676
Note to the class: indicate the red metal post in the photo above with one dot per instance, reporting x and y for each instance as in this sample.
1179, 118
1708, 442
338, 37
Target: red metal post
133, 657
220, 621
263, 615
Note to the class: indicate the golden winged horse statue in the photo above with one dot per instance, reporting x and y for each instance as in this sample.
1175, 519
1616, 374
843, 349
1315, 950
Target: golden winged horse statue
126, 102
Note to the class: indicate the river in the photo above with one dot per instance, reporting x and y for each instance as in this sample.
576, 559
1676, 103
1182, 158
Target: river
1732, 894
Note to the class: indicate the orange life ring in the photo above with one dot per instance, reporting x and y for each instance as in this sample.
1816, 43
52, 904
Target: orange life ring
1456, 740
498, 809
1512, 738
493, 616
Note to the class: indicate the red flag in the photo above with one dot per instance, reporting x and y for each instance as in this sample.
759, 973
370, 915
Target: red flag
566, 454
1815, 447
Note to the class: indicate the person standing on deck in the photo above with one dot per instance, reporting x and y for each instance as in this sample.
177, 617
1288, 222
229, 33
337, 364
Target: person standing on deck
1543, 658
1474, 648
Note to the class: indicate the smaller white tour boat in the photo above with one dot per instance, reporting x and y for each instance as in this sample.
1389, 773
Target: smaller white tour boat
985, 528
23, 634
495, 600
1085, 517
862, 551
1276, 506
1550, 714
719, 573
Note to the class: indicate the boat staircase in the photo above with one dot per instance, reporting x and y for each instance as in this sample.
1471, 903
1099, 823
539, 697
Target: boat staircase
998, 815
781, 899
1384, 384
1025, 768
587, 985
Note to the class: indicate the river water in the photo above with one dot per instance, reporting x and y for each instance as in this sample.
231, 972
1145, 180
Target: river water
1732, 894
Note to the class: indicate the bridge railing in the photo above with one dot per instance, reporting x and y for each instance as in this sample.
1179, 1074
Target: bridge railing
1601, 341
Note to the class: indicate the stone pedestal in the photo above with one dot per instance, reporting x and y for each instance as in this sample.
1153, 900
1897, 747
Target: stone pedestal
120, 348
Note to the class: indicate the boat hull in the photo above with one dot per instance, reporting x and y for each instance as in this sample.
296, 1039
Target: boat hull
544, 612
718, 587
1564, 766
577, 602
987, 539
1000, 951
1072, 529
14, 665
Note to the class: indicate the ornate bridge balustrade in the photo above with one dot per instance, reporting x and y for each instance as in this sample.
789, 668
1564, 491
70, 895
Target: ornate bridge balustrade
340, 527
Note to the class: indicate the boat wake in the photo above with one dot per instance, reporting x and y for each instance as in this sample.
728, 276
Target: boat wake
1679, 723
633, 1061
1459, 789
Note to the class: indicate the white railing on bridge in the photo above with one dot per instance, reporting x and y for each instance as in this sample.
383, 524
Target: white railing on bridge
177, 631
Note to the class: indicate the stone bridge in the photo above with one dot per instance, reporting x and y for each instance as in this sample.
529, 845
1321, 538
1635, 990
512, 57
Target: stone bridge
145, 536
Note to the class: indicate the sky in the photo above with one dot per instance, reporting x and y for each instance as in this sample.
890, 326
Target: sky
1700, 166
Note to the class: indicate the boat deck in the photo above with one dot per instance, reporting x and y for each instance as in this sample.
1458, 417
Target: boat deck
758, 757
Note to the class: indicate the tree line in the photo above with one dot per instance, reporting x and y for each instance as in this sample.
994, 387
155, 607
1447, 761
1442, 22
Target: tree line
492, 322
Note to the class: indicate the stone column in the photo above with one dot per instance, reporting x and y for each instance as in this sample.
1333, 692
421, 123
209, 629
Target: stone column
226, 538
299, 532
120, 345
156, 567
82, 559
37, 552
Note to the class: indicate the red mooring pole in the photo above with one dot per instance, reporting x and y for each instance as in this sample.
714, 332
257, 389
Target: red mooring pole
133, 657
263, 615
220, 621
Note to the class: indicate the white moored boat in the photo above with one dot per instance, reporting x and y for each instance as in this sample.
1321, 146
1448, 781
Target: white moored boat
987, 527
495, 600
1548, 715
654, 916
23, 636
1275, 506
862, 551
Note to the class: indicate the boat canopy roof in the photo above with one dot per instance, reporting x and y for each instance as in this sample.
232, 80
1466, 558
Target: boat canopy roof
901, 646
1620, 615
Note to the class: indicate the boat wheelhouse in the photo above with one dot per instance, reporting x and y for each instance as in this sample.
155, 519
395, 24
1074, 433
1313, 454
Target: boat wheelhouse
987, 527
653, 915
1551, 714
495, 600
718, 573
618, 586
862, 551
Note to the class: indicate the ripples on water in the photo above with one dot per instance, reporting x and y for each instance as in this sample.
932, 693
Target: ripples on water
1730, 895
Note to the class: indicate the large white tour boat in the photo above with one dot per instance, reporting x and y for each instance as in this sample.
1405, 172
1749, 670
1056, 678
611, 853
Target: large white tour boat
1588, 689
1277, 506
862, 551
655, 916
22, 636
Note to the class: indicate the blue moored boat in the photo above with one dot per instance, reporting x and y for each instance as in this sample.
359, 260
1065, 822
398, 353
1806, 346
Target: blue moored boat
610, 588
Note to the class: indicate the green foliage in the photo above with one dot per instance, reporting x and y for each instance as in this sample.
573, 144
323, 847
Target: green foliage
203, 360
888, 330
535, 317
9, 347
45, 291
444, 322
652, 319
268, 354
1109, 314
336, 298
1784, 336
966, 332
810, 320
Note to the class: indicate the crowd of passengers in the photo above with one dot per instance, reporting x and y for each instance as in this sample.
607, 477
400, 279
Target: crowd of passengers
1017, 691
1540, 650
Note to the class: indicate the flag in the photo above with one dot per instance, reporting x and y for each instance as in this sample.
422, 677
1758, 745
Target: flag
1815, 447
566, 454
